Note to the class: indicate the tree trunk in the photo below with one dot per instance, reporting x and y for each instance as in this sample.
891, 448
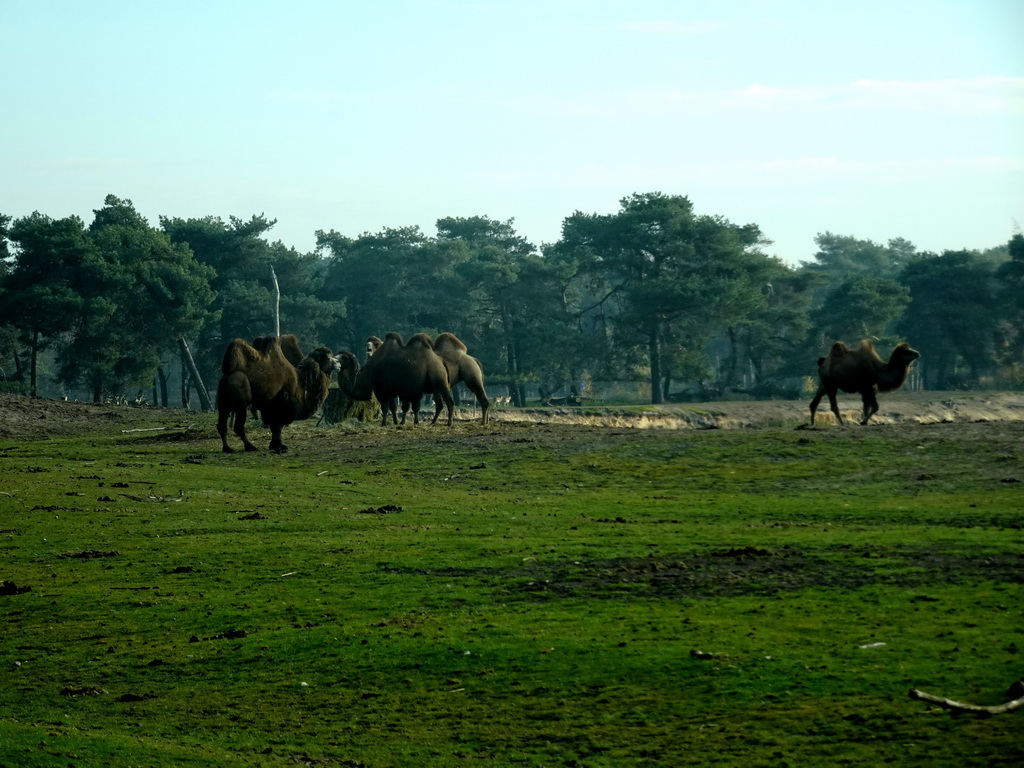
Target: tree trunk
513, 365
197, 380
19, 366
730, 377
32, 364
162, 377
654, 352
184, 384
277, 303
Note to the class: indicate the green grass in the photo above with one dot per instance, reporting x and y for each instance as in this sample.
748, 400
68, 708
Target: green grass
511, 595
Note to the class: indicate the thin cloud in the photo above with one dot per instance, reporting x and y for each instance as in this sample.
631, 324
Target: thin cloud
991, 95
668, 27
988, 95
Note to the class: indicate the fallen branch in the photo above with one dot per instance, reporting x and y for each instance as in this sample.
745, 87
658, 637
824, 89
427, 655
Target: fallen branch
155, 499
152, 429
958, 706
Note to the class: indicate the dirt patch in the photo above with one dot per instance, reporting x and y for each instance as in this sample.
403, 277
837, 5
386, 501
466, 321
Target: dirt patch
901, 408
40, 417
751, 571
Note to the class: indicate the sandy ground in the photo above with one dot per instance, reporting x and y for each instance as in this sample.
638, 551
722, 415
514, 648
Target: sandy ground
36, 417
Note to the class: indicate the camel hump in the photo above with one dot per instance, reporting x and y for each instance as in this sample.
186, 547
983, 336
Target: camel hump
447, 339
867, 351
238, 354
291, 348
421, 339
838, 349
288, 343
394, 336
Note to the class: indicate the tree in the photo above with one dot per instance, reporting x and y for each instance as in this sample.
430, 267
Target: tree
372, 277
515, 299
671, 276
862, 306
843, 257
54, 264
241, 259
950, 318
1010, 287
773, 337
152, 294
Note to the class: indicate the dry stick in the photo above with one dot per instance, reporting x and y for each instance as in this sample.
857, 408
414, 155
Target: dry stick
152, 429
961, 707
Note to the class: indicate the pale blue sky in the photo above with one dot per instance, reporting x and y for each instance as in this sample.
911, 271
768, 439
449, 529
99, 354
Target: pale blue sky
901, 118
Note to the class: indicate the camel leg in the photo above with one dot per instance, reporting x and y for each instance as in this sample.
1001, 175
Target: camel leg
834, 407
449, 403
276, 446
388, 407
438, 405
222, 430
815, 402
870, 406
240, 416
485, 404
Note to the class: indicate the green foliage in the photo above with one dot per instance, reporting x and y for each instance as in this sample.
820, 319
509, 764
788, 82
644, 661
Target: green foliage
952, 297
518, 302
1010, 296
669, 274
842, 257
860, 307
510, 595
241, 259
653, 292
374, 277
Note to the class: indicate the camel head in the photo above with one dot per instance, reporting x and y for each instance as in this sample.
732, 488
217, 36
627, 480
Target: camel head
373, 343
325, 360
351, 383
903, 355
348, 364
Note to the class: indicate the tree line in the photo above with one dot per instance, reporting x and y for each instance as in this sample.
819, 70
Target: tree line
687, 305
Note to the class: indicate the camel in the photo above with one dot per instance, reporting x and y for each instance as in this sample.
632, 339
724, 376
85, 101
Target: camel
861, 370
397, 371
290, 348
263, 379
461, 367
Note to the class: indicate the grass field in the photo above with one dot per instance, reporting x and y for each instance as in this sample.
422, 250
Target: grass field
510, 595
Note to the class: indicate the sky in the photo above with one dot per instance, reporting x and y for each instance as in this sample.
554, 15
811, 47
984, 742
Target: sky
874, 119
